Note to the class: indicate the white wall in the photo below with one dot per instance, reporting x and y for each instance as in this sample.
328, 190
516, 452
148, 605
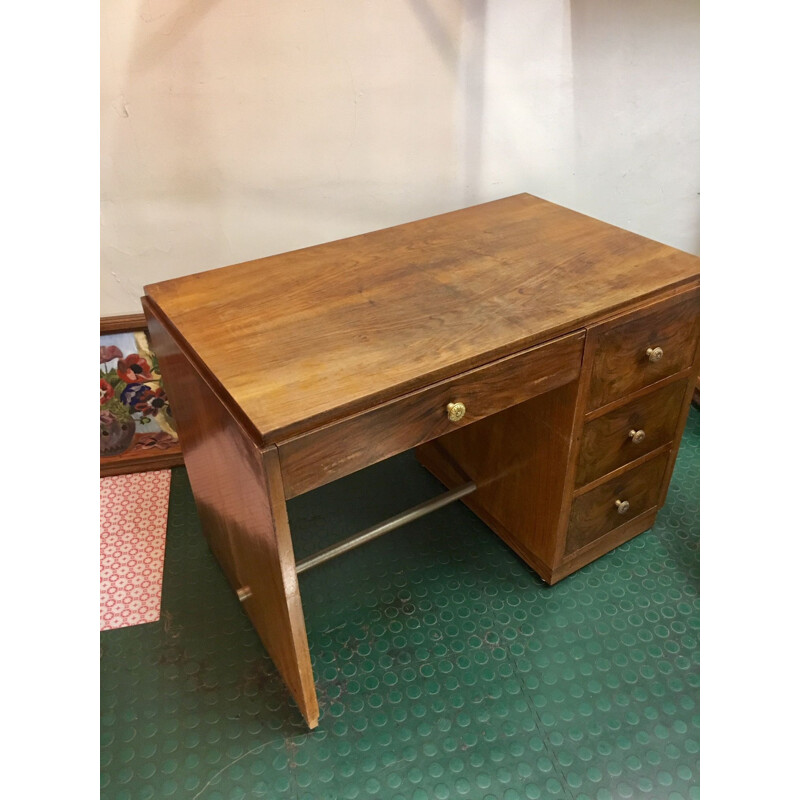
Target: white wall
636, 68
238, 129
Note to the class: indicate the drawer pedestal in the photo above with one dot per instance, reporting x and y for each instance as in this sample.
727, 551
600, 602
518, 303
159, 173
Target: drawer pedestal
553, 473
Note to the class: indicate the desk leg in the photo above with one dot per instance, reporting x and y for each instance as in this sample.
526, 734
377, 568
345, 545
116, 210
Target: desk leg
239, 494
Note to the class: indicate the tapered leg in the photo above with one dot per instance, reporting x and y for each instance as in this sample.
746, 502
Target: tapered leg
240, 499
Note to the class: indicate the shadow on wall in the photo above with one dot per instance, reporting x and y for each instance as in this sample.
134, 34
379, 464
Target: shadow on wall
467, 55
636, 111
234, 130
165, 28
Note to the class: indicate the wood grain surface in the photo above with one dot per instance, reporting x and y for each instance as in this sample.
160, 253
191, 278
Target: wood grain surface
518, 460
621, 365
595, 513
335, 450
602, 545
239, 496
304, 338
606, 444
290, 371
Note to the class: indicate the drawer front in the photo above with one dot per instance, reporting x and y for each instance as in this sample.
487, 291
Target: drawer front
335, 450
621, 362
596, 513
625, 434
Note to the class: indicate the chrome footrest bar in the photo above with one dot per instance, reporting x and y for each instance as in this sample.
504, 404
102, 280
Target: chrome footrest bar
373, 532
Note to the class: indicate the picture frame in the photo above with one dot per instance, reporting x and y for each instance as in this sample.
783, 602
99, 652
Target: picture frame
137, 431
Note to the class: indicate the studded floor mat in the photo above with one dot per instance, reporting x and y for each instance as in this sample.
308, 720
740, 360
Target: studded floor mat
444, 667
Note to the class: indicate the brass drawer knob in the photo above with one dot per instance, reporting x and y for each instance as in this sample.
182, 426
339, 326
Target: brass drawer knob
622, 506
244, 593
456, 411
637, 436
654, 353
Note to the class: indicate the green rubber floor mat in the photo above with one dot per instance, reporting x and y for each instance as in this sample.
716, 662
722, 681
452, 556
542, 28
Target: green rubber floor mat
444, 667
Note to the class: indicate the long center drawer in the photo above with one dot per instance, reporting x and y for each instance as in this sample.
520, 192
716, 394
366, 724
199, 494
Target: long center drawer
335, 450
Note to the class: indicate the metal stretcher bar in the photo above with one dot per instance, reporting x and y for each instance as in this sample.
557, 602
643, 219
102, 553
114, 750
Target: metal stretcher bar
373, 532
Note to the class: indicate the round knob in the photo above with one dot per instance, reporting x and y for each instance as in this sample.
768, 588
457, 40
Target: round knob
244, 593
622, 506
654, 353
637, 436
456, 411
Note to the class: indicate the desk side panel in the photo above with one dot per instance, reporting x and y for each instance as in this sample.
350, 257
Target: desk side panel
239, 497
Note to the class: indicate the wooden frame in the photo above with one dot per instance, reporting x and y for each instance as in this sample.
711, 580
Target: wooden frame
138, 460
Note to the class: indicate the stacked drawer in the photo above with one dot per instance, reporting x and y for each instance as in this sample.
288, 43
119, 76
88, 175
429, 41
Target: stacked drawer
642, 376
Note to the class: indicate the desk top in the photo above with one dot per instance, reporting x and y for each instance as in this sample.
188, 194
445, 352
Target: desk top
307, 337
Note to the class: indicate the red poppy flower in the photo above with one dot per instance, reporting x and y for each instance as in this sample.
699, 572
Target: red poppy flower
109, 353
134, 369
106, 391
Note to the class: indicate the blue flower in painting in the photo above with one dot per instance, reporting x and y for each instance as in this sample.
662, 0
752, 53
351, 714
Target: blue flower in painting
133, 393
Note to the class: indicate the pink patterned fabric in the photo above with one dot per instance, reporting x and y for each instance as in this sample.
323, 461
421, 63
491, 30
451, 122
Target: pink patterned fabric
133, 528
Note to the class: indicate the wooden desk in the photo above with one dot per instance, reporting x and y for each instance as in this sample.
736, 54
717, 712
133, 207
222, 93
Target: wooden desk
571, 345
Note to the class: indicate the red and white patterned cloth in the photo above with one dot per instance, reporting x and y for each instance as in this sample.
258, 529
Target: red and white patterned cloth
133, 529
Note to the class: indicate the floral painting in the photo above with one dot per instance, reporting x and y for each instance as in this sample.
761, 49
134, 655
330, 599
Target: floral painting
135, 416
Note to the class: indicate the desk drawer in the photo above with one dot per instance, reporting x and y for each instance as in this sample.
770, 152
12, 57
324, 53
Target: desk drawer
622, 364
599, 511
320, 456
607, 443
